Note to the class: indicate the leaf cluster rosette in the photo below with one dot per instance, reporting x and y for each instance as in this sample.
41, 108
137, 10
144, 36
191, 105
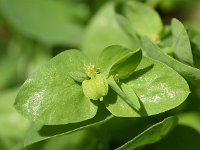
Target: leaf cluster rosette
129, 84
77, 90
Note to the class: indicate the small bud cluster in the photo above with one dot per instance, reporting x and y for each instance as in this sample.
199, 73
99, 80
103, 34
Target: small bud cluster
97, 86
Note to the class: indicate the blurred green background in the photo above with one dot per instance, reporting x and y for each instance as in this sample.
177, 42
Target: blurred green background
33, 31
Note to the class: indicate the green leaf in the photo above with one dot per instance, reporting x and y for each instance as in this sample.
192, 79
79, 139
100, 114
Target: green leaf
126, 66
110, 56
103, 31
158, 87
156, 53
134, 100
118, 60
51, 96
151, 135
78, 76
40, 132
181, 43
125, 92
143, 19
48, 21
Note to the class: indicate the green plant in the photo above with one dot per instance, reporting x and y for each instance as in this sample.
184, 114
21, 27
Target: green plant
131, 69
50, 94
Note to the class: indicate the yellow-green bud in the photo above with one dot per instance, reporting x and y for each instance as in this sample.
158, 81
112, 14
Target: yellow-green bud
96, 87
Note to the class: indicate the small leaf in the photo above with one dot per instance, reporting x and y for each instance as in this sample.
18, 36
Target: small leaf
125, 92
78, 76
156, 53
51, 96
143, 19
39, 132
181, 43
151, 135
158, 87
105, 25
132, 97
125, 67
118, 59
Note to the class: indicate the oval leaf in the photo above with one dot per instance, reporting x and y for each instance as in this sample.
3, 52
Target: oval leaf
51, 96
125, 67
155, 85
78, 76
118, 60
125, 92
181, 43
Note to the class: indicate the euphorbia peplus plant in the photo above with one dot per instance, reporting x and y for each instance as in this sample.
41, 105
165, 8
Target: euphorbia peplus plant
69, 89
65, 90
74, 91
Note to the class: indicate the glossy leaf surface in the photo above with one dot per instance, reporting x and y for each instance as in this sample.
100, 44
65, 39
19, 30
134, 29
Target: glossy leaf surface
118, 60
125, 67
125, 92
158, 87
51, 96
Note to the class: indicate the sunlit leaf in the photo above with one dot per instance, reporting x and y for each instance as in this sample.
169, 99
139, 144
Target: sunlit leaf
158, 87
51, 96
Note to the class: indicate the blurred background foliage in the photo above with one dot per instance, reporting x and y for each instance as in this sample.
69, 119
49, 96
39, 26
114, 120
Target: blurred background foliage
33, 31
